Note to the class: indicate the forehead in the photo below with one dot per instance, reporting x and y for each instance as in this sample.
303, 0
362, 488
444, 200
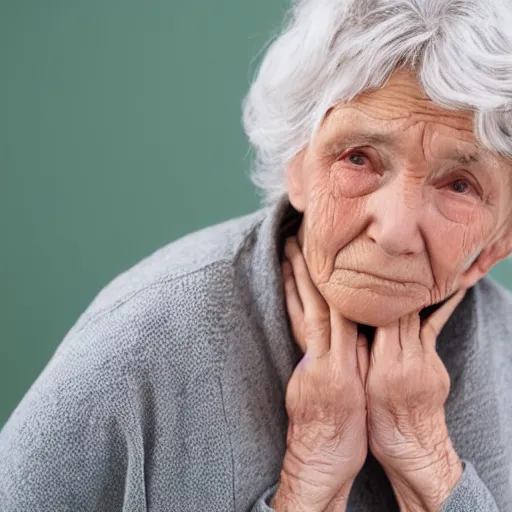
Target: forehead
399, 115
403, 101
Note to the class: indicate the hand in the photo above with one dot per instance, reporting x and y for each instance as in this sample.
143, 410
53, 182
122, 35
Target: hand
327, 441
407, 387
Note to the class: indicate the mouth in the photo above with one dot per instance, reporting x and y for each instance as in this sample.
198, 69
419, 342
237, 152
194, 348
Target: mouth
373, 282
376, 276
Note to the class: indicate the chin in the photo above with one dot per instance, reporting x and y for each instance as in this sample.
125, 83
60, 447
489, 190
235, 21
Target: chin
367, 307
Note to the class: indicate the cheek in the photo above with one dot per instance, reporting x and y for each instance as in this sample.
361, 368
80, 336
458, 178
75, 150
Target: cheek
452, 244
462, 211
347, 182
330, 224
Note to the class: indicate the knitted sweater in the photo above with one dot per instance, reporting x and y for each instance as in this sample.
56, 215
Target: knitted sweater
168, 392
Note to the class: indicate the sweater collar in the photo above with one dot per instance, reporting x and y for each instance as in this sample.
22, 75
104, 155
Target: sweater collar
279, 221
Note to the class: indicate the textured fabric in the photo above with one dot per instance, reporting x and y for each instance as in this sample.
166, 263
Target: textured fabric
168, 392
469, 491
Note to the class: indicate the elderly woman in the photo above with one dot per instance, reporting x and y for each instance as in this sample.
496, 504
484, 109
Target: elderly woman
340, 349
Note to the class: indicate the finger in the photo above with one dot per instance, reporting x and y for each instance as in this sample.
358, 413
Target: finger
386, 344
293, 305
314, 304
343, 343
409, 335
317, 327
434, 324
363, 357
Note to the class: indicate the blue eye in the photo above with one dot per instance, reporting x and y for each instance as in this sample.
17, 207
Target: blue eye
357, 159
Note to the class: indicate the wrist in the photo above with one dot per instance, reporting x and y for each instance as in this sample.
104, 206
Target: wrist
295, 494
289, 496
428, 488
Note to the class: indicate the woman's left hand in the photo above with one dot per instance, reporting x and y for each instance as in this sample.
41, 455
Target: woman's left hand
406, 389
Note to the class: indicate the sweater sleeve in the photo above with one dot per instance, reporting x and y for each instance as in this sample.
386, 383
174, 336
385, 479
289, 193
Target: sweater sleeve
64, 450
263, 504
470, 494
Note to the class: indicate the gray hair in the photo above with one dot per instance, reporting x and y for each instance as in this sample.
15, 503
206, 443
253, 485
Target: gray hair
331, 50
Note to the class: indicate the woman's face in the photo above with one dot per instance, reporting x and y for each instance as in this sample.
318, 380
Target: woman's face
398, 199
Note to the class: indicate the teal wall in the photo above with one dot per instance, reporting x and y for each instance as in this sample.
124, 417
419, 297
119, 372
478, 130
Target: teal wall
119, 131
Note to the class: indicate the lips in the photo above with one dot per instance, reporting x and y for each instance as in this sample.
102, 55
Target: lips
376, 275
384, 285
373, 274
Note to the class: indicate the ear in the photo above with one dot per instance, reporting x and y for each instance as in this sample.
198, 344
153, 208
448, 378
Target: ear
490, 256
295, 181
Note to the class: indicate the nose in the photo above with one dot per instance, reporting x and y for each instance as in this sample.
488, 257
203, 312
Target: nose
395, 210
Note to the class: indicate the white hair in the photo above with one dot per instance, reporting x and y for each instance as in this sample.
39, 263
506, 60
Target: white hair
332, 50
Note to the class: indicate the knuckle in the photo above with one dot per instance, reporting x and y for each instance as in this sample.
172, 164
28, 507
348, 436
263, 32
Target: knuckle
318, 396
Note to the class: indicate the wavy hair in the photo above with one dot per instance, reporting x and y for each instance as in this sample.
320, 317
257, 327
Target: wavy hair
332, 50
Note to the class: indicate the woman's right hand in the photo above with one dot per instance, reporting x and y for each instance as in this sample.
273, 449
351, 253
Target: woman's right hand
325, 398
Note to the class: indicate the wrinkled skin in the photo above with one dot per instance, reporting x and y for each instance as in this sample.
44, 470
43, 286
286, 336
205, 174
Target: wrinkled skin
392, 221
325, 399
402, 208
340, 401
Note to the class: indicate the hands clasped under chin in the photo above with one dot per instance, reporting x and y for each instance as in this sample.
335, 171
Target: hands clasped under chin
343, 399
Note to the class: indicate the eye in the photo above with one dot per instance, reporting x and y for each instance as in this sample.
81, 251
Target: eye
361, 162
462, 187
357, 159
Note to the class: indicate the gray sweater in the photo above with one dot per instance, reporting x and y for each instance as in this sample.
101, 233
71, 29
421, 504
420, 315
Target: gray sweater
168, 392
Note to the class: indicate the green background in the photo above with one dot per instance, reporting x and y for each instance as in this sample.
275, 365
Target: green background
120, 130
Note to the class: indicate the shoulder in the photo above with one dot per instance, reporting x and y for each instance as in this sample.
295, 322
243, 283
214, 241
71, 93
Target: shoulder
158, 305
493, 298
168, 311
203, 251
493, 310
181, 291
160, 325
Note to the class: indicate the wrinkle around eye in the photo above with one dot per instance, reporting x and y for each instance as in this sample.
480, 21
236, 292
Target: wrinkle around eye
362, 156
372, 157
471, 187
345, 160
472, 192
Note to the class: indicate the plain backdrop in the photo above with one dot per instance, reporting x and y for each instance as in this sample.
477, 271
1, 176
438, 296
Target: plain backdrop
120, 131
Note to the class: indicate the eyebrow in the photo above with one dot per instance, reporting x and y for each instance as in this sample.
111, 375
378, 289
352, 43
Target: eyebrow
465, 159
388, 139
371, 138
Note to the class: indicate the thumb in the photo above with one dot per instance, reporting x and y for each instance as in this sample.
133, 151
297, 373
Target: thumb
363, 357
